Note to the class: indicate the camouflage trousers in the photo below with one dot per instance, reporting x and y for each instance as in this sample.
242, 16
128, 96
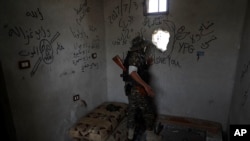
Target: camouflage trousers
141, 108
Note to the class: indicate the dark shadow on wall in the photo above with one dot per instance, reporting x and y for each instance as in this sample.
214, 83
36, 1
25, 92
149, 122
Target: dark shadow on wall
7, 130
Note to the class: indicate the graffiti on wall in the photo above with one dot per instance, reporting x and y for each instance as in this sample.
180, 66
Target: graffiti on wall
86, 47
184, 41
46, 52
41, 45
123, 17
28, 34
81, 11
244, 82
38, 41
85, 55
124, 8
244, 71
37, 14
245, 96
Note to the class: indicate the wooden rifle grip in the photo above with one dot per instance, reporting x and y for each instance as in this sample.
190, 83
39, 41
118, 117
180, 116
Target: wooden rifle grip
119, 62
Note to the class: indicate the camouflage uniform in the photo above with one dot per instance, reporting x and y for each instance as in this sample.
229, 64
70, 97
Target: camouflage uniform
137, 100
143, 103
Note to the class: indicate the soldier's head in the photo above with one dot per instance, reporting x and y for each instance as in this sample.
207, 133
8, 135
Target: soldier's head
139, 43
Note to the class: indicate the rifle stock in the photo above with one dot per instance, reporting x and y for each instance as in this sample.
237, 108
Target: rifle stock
119, 62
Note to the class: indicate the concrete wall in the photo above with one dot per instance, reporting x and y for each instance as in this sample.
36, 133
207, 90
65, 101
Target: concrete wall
240, 113
64, 42
185, 85
82, 37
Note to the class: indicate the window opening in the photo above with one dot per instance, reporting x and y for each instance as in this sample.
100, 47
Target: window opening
155, 7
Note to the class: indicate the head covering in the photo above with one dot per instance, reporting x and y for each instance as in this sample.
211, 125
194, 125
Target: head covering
138, 43
142, 45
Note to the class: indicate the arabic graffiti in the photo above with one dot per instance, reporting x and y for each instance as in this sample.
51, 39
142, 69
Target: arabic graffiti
86, 45
92, 65
82, 11
121, 15
28, 33
185, 41
205, 30
196, 41
150, 23
35, 14
31, 53
43, 51
85, 56
124, 38
35, 51
79, 34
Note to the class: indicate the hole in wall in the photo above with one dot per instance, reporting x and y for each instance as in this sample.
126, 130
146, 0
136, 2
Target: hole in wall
160, 39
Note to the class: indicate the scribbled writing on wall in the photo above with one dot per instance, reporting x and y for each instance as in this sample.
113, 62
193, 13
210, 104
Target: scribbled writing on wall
121, 10
81, 11
168, 59
244, 83
121, 15
156, 21
39, 41
87, 42
245, 70
184, 41
245, 96
79, 34
205, 31
27, 34
35, 14
35, 50
59, 48
67, 73
85, 55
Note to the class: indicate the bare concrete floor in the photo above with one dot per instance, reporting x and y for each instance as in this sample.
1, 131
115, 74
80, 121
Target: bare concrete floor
184, 129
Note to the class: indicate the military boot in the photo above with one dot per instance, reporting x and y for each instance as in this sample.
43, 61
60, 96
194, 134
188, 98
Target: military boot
151, 136
131, 132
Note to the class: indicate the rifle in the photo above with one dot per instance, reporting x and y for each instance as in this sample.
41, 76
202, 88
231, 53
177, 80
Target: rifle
119, 62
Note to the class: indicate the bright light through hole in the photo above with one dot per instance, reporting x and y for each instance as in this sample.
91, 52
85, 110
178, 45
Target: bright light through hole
160, 39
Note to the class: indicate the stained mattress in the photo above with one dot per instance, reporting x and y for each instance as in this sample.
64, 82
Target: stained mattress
102, 123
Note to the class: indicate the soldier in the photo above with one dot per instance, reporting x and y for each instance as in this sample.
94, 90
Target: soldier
137, 88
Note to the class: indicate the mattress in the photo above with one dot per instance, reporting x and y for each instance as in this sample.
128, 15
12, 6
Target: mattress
101, 124
120, 133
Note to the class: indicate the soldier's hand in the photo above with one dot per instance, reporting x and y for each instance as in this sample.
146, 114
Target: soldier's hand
149, 91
